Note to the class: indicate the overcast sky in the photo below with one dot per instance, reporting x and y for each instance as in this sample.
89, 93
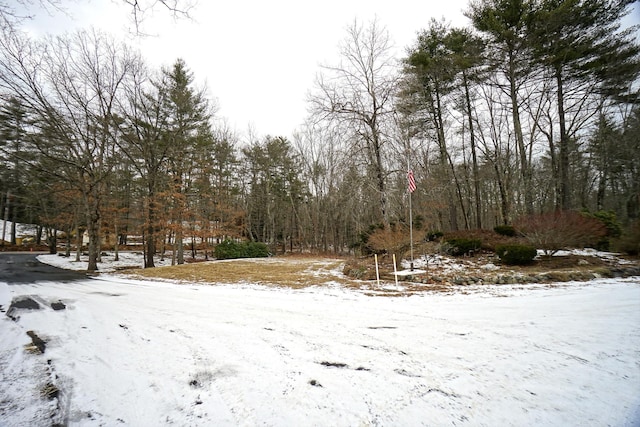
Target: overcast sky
257, 58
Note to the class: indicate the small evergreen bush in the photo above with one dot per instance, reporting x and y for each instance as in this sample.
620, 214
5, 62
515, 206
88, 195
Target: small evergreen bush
462, 246
433, 235
613, 227
516, 254
229, 249
629, 242
256, 250
505, 230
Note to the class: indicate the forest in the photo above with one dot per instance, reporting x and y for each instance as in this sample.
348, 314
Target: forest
533, 108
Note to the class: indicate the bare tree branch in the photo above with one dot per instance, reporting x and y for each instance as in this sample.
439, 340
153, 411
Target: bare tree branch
13, 12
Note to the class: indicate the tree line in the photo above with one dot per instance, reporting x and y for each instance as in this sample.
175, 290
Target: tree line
532, 108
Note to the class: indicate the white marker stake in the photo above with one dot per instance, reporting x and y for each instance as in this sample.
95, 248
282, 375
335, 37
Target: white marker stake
377, 271
395, 271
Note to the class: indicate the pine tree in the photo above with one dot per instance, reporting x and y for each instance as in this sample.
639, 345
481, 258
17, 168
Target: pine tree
188, 116
505, 23
581, 44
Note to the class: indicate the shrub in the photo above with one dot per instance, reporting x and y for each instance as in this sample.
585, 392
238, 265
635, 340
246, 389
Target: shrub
612, 226
256, 250
394, 240
489, 238
229, 249
388, 240
505, 230
553, 231
462, 246
516, 254
433, 235
629, 242
363, 239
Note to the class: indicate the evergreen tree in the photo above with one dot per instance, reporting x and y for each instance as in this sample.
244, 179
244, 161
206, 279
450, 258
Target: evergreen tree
580, 43
505, 24
469, 62
188, 120
431, 73
13, 156
275, 192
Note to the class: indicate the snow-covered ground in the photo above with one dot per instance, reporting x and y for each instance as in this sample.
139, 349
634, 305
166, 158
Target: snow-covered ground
139, 353
22, 230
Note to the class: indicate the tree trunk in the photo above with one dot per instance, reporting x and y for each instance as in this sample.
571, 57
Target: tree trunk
379, 169
14, 222
5, 218
117, 237
79, 233
504, 198
67, 249
474, 157
179, 244
565, 188
445, 160
52, 240
525, 170
150, 232
93, 229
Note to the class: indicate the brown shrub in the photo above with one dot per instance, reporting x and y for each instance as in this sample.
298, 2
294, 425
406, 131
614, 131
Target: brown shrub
393, 240
553, 231
489, 238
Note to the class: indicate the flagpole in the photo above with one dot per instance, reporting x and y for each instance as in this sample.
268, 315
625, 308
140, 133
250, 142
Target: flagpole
410, 219
411, 230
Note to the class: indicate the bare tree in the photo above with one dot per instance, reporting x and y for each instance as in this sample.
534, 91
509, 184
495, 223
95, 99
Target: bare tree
141, 8
357, 94
71, 84
13, 12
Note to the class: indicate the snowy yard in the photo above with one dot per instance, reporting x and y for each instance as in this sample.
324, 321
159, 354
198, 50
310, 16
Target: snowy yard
142, 353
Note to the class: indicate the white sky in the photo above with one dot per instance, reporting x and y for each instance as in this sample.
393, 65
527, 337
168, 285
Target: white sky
257, 58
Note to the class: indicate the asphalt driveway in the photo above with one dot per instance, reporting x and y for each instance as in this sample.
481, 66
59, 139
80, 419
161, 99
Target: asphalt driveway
19, 268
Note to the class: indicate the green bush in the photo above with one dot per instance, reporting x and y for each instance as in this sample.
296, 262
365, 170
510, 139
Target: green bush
610, 221
505, 230
629, 242
462, 246
433, 235
229, 249
256, 250
516, 254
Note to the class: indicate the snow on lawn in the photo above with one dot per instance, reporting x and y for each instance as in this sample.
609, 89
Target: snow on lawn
126, 259
145, 354
22, 230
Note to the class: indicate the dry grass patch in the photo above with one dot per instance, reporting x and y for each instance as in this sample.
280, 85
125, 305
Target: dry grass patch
302, 271
288, 272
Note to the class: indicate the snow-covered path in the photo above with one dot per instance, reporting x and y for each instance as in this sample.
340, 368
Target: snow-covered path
148, 354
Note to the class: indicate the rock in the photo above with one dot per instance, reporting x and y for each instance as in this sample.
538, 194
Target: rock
37, 341
58, 305
21, 303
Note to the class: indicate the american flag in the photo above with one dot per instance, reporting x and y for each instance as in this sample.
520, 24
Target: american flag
412, 181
